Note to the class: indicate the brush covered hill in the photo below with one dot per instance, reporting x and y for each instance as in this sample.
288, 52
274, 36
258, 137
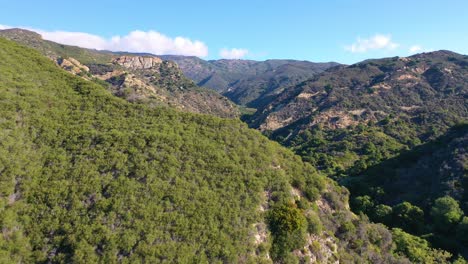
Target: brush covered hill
137, 78
423, 191
246, 82
355, 116
87, 177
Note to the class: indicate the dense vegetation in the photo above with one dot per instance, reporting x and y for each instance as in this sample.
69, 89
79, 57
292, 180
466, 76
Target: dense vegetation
422, 191
88, 177
353, 123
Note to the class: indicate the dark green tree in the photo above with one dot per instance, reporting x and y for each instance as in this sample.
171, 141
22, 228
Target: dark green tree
409, 217
446, 213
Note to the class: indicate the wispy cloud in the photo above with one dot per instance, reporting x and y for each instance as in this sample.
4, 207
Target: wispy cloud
418, 49
415, 49
233, 53
136, 41
376, 42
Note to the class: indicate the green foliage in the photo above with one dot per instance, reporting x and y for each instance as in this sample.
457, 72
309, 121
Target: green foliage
409, 216
417, 249
446, 213
288, 226
459, 260
314, 225
347, 228
421, 176
362, 204
87, 177
382, 213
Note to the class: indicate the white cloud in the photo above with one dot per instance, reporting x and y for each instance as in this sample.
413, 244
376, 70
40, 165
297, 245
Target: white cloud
233, 53
80, 39
418, 49
377, 42
136, 41
157, 43
415, 49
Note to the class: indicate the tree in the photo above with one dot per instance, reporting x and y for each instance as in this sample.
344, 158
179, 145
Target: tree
408, 216
446, 213
363, 204
288, 226
382, 213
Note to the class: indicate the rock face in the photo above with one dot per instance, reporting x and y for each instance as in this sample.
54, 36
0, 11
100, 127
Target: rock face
72, 65
137, 62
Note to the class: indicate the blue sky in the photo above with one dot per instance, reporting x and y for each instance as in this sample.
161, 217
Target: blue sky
345, 31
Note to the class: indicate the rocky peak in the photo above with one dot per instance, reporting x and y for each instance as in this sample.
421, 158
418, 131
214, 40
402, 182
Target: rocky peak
137, 62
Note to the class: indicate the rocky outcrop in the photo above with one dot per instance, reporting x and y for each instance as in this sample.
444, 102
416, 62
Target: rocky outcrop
137, 62
72, 65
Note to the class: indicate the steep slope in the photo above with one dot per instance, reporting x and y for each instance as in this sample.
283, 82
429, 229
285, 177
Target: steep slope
423, 174
137, 78
247, 82
87, 177
419, 178
363, 113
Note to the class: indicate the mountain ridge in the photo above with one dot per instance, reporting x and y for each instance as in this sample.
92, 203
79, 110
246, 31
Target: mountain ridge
161, 84
248, 82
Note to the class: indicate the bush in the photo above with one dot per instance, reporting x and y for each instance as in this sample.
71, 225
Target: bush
417, 249
288, 226
382, 213
314, 225
408, 216
446, 213
362, 204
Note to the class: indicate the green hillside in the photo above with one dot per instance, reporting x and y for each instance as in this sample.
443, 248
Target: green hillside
350, 118
418, 180
87, 177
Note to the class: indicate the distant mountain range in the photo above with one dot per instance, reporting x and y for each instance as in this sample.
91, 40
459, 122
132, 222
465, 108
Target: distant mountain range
246, 82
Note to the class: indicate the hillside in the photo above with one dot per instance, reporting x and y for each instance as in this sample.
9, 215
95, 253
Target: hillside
419, 178
137, 78
355, 116
246, 82
88, 177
